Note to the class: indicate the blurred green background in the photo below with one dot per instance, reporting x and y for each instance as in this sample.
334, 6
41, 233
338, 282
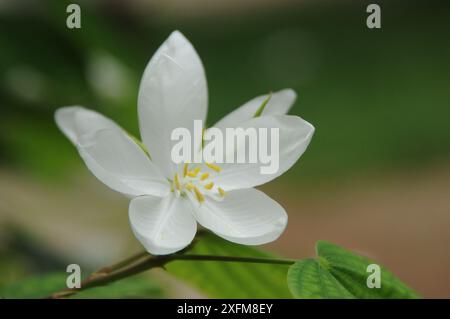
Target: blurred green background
374, 179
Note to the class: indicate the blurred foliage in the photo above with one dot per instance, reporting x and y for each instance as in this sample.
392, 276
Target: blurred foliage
339, 273
29, 270
41, 286
23, 255
378, 98
231, 279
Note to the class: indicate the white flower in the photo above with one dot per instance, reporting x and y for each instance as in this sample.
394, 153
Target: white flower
168, 199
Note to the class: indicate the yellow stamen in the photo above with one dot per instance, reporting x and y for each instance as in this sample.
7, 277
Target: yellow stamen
185, 169
191, 174
204, 176
222, 192
190, 186
213, 167
177, 181
199, 195
194, 172
209, 186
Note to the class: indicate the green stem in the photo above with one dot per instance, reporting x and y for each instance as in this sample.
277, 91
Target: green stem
253, 260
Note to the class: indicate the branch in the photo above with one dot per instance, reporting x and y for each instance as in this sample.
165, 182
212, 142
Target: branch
143, 261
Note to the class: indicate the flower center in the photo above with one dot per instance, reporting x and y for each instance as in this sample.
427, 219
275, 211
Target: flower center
197, 181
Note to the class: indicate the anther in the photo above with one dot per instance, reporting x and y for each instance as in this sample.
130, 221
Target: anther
209, 186
177, 181
222, 192
199, 195
213, 167
194, 172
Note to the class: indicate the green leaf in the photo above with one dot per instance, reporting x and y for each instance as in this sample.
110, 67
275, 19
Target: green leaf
231, 279
309, 279
140, 286
339, 273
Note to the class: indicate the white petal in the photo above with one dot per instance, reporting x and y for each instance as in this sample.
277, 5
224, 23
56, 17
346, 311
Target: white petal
294, 137
111, 155
279, 103
172, 94
75, 121
246, 216
162, 225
